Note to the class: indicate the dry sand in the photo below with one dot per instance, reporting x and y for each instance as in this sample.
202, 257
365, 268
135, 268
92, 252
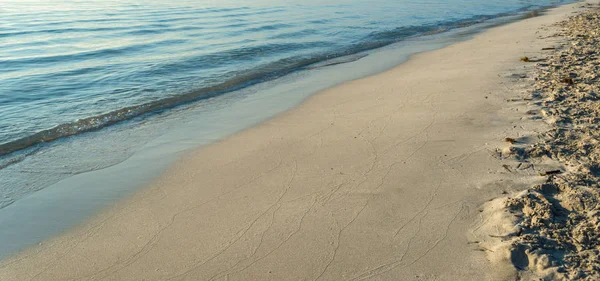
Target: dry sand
552, 231
382, 178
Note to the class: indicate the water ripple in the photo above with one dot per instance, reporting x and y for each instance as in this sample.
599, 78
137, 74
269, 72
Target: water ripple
73, 66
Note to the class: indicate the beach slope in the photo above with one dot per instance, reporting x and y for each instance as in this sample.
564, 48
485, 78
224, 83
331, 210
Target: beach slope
380, 178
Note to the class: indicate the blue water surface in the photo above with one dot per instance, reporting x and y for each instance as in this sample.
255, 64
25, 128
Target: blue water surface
69, 66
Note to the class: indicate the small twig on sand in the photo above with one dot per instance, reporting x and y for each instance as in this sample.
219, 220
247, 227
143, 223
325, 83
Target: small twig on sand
549, 173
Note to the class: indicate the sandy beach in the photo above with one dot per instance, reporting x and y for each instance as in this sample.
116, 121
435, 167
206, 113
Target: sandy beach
551, 230
389, 177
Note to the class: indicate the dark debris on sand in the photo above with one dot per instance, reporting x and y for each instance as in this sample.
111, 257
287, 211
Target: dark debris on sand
560, 220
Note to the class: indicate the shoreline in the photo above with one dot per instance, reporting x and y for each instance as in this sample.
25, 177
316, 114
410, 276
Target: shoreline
149, 149
13, 149
327, 172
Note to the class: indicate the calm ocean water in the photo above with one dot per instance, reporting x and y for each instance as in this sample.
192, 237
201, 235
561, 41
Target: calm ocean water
72, 66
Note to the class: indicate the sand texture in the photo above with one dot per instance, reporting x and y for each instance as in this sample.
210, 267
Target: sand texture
552, 231
381, 178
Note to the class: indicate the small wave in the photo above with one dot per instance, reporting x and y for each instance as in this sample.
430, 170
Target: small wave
142, 32
336, 61
233, 25
237, 55
55, 31
58, 31
82, 21
295, 34
322, 51
254, 13
260, 74
19, 63
319, 21
154, 31
268, 27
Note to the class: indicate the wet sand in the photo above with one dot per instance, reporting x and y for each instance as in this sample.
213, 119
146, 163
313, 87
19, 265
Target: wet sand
379, 178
